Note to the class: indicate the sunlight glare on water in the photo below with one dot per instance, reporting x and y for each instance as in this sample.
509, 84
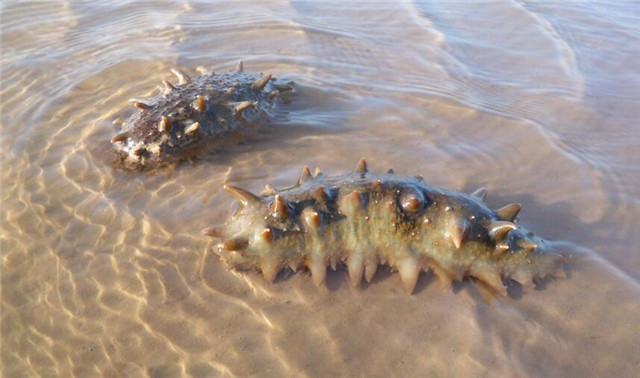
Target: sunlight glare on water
105, 272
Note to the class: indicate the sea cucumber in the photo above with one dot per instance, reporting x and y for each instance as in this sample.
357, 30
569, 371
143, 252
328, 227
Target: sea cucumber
363, 220
195, 116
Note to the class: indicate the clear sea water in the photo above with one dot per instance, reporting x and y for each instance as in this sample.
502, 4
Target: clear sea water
106, 273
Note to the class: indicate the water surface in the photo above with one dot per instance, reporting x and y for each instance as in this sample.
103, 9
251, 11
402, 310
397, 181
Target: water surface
105, 272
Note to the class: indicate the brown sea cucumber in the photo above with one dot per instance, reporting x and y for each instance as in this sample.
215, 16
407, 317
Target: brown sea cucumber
195, 116
364, 220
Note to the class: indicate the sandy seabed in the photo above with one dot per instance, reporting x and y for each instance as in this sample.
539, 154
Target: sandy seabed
105, 272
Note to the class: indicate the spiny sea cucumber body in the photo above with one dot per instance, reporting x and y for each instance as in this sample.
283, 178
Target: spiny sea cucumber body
364, 220
195, 116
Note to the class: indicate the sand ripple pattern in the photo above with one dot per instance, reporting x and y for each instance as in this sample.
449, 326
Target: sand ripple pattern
105, 273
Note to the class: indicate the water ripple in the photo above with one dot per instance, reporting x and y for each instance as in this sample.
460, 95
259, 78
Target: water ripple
105, 272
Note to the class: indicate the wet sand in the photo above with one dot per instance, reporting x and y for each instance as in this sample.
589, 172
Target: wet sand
105, 272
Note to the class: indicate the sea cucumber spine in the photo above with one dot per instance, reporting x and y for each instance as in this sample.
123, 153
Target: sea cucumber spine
364, 220
195, 116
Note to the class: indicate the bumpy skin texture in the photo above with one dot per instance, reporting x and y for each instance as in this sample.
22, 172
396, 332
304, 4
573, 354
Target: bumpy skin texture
195, 116
364, 220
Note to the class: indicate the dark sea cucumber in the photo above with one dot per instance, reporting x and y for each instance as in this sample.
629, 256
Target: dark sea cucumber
195, 116
365, 220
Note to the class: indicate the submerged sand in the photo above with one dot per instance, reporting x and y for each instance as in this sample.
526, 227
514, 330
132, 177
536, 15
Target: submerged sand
105, 272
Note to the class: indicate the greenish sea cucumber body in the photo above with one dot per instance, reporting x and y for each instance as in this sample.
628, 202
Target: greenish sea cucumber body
365, 220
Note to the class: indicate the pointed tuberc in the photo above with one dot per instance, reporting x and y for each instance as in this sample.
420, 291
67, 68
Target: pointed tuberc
164, 125
120, 137
356, 268
183, 78
459, 231
489, 276
305, 175
192, 129
168, 86
353, 201
243, 105
480, 193
233, 244
443, 276
523, 277
267, 235
240, 66
333, 261
361, 168
317, 172
498, 229
320, 195
502, 247
318, 270
269, 270
279, 207
261, 83
370, 269
141, 105
200, 104
559, 274
312, 219
527, 245
409, 271
509, 212
139, 151
246, 198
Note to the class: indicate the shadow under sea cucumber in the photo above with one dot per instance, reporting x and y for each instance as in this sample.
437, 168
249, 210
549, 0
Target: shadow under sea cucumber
196, 116
365, 220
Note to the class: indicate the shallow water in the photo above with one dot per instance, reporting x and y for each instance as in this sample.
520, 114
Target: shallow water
105, 272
